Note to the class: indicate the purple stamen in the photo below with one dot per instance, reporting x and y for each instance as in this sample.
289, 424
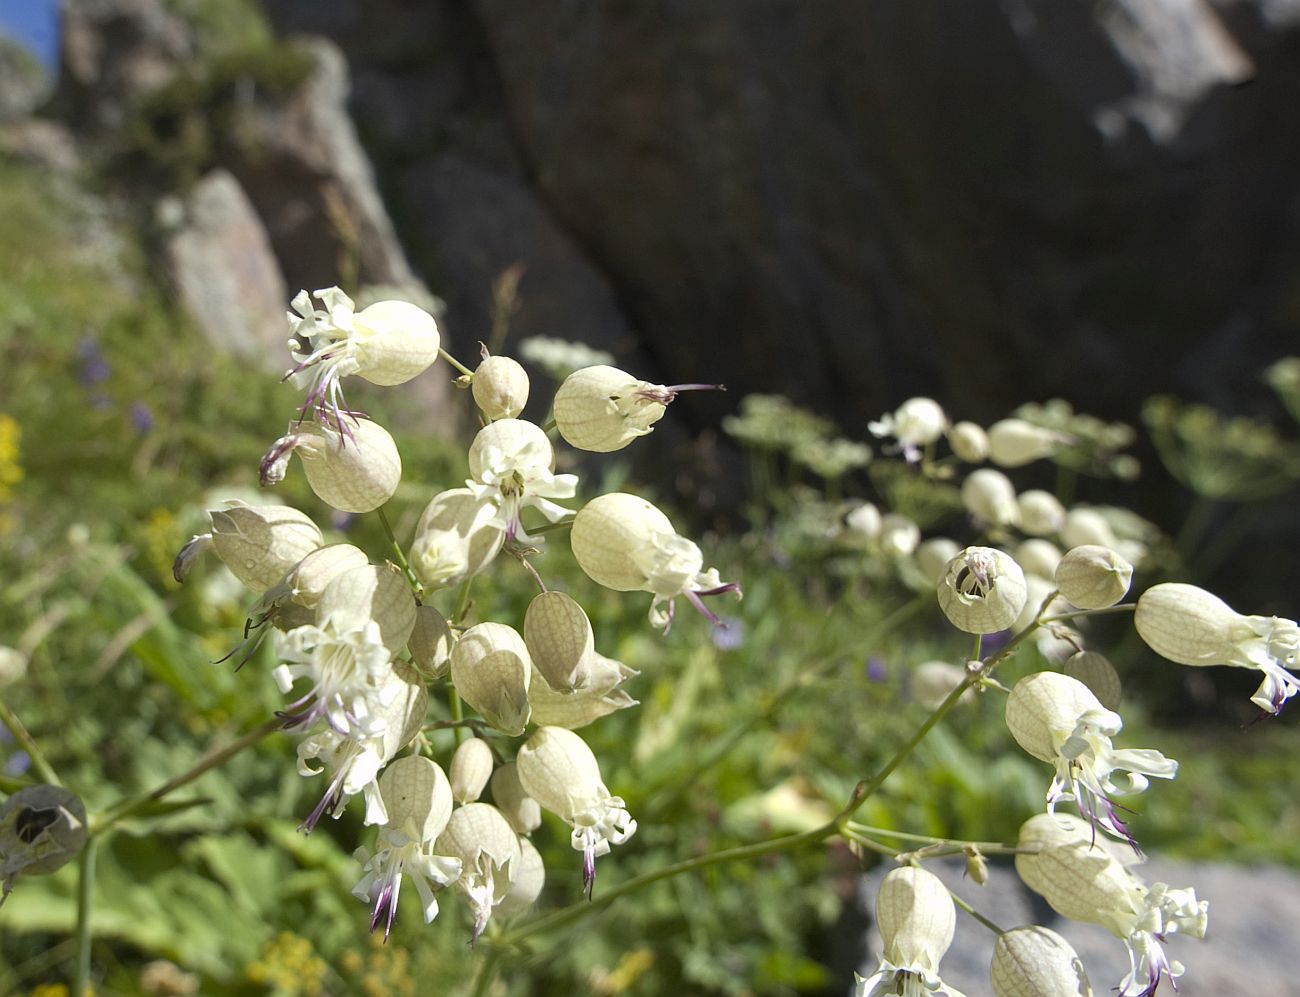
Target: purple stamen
666, 395
588, 871
695, 599
328, 804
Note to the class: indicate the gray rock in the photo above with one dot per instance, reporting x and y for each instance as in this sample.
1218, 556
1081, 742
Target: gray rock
226, 274
1248, 948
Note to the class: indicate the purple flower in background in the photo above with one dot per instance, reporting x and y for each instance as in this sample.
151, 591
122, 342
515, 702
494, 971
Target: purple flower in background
141, 417
729, 634
94, 368
340, 520
876, 670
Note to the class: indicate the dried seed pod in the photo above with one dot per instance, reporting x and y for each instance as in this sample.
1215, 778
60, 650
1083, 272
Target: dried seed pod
491, 670
455, 539
431, 642
1096, 672
500, 387
1037, 962
559, 639
471, 768
983, 590
1093, 577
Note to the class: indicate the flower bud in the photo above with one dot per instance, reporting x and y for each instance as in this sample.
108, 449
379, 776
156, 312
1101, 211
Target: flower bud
969, 442
471, 767
559, 639
1037, 962
1044, 708
42, 828
977, 865
500, 387
1038, 557
983, 590
898, 535
523, 813
393, 341
932, 557
356, 470
526, 882
491, 670
374, 592
417, 797
916, 917
1014, 442
455, 538
1096, 672
257, 543
599, 697
489, 852
1041, 513
1093, 577
602, 409
989, 497
430, 643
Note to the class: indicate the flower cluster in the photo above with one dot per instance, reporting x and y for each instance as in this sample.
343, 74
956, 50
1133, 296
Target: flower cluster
361, 645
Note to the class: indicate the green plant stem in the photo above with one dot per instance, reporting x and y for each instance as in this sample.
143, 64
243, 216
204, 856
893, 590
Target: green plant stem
455, 363
127, 807
462, 601
563, 524
576, 911
457, 714
398, 557
548, 425
486, 972
974, 913
1124, 607
28, 744
988, 847
85, 888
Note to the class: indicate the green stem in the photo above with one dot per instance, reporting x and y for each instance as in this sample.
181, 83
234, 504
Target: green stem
457, 714
399, 558
974, 913
28, 744
462, 601
1124, 607
486, 973
1194, 527
988, 847
454, 362
217, 758
548, 425
85, 887
563, 524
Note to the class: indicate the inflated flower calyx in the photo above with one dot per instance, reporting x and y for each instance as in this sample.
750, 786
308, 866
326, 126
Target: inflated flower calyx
1037, 962
863, 522
375, 592
491, 670
1014, 442
489, 853
1042, 706
500, 387
990, 497
42, 828
258, 543
387, 343
983, 590
558, 770
1038, 557
431, 642
520, 810
916, 917
559, 639
355, 469
969, 442
471, 768
1093, 577
526, 883
600, 697
455, 539
1041, 513
292, 602
602, 409
417, 796
1191, 626
1096, 672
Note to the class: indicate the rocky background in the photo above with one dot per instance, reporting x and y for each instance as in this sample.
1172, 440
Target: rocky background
988, 201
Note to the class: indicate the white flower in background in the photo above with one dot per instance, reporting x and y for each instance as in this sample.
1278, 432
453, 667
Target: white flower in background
990, 498
558, 770
603, 409
1040, 513
916, 917
1058, 720
488, 850
916, 423
387, 343
511, 464
862, 523
1014, 442
471, 767
560, 357
969, 442
1083, 879
354, 760
1191, 626
418, 801
899, 536
1093, 577
626, 544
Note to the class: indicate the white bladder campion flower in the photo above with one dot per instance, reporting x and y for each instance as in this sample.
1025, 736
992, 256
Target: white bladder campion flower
458, 535
916, 423
500, 386
602, 409
1191, 626
1058, 720
352, 478
488, 850
511, 464
1082, 879
982, 590
417, 797
1037, 962
257, 543
558, 770
387, 343
916, 917
626, 544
